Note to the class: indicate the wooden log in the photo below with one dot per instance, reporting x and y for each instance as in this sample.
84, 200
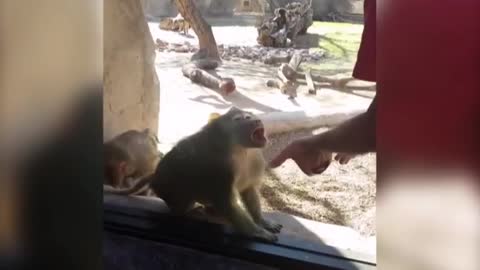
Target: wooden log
287, 72
310, 84
289, 89
315, 78
295, 61
288, 75
272, 83
290, 70
286, 86
281, 75
341, 83
202, 77
273, 59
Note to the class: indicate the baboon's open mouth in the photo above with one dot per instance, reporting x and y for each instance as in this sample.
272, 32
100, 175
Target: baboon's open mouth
258, 136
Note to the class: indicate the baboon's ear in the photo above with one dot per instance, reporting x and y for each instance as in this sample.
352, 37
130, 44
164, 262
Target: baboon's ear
213, 116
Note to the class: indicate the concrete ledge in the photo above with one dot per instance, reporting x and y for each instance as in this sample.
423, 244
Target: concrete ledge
278, 122
315, 232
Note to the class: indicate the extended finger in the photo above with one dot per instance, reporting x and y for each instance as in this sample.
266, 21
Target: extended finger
306, 170
342, 158
280, 158
321, 168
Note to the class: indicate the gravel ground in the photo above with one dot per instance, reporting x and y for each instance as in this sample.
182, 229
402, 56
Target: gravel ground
342, 195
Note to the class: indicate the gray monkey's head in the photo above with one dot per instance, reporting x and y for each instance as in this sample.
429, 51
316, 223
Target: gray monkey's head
244, 127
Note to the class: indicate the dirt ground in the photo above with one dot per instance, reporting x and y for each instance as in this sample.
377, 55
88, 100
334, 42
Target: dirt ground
342, 195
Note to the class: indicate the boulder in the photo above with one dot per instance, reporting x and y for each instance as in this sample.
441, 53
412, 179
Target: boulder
131, 87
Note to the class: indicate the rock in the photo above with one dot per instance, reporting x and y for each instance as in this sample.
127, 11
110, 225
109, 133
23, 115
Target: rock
266, 55
131, 87
182, 49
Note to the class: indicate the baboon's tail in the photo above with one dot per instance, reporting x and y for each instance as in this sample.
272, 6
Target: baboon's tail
143, 182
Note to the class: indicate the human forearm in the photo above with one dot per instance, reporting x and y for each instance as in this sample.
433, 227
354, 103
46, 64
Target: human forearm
356, 136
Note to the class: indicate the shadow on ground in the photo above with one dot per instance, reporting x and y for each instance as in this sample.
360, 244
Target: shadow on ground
307, 41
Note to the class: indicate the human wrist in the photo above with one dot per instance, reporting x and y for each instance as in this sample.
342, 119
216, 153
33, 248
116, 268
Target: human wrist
316, 141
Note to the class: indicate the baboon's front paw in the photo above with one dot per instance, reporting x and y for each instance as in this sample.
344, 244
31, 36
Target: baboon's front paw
197, 211
272, 226
266, 236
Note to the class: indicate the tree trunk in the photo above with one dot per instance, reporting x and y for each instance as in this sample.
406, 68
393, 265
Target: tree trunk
206, 40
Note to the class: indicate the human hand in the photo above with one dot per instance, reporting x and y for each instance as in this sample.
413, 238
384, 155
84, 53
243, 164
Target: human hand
309, 159
344, 158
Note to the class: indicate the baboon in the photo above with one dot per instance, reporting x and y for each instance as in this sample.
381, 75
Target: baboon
184, 26
130, 156
281, 20
281, 26
221, 166
178, 24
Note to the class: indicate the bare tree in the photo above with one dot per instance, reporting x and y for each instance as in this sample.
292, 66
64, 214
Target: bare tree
207, 44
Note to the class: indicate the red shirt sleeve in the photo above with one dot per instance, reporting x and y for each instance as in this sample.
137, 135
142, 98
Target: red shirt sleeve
428, 80
365, 67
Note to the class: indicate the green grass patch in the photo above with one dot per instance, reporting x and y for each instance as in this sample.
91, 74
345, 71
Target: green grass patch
341, 42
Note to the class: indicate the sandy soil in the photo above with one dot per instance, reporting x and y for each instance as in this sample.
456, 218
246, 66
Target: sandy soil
342, 195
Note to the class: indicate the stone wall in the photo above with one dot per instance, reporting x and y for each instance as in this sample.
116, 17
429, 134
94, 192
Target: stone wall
131, 87
321, 8
220, 7
249, 6
159, 8
166, 8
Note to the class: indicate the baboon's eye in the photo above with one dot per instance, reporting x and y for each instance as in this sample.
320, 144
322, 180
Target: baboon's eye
248, 117
237, 117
